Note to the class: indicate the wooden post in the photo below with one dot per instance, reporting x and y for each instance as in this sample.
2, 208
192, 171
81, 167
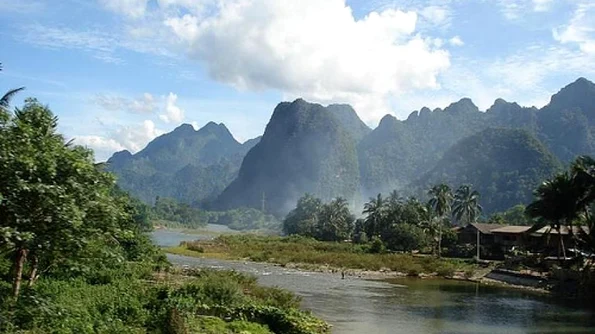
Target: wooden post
477, 244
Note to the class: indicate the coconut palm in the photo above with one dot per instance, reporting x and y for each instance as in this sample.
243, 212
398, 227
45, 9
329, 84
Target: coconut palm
441, 203
466, 207
374, 210
557, 204
5, 101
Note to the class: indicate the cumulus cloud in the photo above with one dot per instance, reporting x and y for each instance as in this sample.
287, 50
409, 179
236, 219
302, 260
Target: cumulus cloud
315, 49
580, 30
173, 113
456, 41
134, 138
142, 105
98, 143
130, 8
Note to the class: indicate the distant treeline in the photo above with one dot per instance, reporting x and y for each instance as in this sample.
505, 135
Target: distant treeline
169, 212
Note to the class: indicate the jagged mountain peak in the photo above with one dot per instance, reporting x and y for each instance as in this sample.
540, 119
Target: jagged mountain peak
464, 105
578, 94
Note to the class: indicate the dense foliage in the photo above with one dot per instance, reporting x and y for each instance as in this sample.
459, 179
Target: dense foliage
79, 243
393, 223
504, 165
167, 209
244, 219
328, 222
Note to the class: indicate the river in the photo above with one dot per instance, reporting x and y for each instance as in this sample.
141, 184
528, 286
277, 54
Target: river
354, 305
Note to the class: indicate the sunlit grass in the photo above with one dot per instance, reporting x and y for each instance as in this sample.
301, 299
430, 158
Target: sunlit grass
297, 250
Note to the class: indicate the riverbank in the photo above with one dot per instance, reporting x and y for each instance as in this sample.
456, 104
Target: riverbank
331, 257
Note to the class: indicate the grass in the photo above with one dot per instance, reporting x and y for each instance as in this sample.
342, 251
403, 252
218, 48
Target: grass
299, 250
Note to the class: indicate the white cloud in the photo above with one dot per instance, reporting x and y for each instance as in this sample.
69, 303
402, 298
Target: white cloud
122, 137
456, 41
315, 49
580, 30
130, 8
542, 5
134, 138
142, 105
436, 15
98, 143
173, 113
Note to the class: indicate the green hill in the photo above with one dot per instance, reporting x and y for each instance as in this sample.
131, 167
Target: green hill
504, 165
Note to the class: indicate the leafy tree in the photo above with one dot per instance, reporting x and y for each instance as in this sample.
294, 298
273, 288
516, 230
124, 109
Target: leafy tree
557, 204
304, 218
335, 222
441, 203
56, 203
466, 207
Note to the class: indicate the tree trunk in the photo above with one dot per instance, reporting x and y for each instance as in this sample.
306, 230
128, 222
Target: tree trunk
439, 241
19, 263
562, 244
34, 270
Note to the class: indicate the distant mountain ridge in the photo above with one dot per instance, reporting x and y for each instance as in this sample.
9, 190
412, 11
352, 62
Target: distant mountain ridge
330, 152
189, 165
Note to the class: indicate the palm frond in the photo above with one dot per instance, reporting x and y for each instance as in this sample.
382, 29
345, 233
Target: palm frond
5, 100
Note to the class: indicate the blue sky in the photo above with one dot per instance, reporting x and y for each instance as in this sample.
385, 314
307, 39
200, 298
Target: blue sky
120, 72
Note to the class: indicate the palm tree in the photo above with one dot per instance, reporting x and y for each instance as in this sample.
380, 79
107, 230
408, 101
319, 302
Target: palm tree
466, 205
441, 203
466, 208
374, 210
6, 98
558, 204
583, 177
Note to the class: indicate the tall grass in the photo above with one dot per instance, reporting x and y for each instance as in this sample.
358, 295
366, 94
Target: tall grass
300, 250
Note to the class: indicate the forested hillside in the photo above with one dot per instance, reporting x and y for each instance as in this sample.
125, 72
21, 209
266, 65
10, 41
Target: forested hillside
504, 165
330, 152
190, 166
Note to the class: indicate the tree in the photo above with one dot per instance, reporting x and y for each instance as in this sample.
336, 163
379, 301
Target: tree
55, 195
5, 102
304, 218
441, 203
375, 211
335, 222
557, 204
466, 208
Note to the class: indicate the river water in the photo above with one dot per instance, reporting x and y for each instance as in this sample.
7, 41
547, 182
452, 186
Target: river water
354, 305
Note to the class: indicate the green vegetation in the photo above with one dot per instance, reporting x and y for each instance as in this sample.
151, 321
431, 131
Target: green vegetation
312, 254
180, 214
170, 213
75, 256
327, 222
504, 165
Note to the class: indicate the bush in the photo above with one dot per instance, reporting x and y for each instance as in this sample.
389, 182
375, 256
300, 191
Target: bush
377, 246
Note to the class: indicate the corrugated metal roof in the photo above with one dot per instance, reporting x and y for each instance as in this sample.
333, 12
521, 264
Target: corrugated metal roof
486, 228
564, 230
512, 229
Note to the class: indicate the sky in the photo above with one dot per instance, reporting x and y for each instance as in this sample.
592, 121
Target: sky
118, 73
